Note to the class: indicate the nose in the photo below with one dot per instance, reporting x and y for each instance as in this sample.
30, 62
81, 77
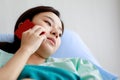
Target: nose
55, 32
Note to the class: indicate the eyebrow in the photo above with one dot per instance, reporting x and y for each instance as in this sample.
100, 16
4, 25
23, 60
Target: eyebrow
50, 18
53, 21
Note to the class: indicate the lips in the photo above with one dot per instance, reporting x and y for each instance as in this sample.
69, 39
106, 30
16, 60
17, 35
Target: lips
52, 40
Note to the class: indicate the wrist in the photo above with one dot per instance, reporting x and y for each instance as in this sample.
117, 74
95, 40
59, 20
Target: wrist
25, 51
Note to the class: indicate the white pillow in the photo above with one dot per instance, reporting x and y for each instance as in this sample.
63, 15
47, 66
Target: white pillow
6, 37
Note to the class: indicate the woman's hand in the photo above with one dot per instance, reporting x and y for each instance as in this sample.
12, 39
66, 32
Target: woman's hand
32, 38
30, 42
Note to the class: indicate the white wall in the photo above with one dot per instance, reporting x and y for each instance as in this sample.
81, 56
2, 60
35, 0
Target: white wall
96, 21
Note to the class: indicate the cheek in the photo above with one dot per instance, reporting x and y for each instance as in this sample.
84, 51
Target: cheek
58, 43
38, 22
43, 24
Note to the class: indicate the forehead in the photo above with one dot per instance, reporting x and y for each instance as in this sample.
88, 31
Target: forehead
49, 15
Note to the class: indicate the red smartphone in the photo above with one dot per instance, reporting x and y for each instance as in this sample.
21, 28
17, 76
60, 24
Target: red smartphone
27, 24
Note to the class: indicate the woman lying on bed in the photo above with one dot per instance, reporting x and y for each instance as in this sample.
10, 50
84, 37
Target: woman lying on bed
38, 34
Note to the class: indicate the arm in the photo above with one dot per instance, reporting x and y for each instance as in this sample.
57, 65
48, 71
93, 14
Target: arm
29, 44
13, 67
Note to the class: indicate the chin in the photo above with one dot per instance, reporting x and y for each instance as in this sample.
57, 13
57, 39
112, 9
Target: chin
47, 49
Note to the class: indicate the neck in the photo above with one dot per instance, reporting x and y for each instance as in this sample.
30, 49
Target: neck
36, 59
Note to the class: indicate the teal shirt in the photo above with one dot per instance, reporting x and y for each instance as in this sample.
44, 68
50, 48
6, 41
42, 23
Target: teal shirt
85, 69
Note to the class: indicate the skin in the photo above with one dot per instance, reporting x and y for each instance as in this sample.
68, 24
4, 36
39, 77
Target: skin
52, 27
35, 48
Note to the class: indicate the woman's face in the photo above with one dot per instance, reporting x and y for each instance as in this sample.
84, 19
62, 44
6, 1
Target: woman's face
53, 27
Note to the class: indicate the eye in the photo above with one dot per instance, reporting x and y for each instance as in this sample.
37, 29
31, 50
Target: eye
47, 22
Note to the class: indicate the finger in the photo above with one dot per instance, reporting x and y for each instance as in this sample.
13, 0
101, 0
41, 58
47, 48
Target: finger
27, 30
36, 27
43, 37
40, 31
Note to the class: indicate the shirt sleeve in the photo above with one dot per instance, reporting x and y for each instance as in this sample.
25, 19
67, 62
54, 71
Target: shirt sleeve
4, 57
86, 70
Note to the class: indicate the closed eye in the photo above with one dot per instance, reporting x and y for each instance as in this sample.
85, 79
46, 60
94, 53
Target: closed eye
47, 22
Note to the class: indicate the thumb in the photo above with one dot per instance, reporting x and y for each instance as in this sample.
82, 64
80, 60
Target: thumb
43, 37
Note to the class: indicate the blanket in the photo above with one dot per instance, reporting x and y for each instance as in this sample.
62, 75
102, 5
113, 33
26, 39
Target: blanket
47, 73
